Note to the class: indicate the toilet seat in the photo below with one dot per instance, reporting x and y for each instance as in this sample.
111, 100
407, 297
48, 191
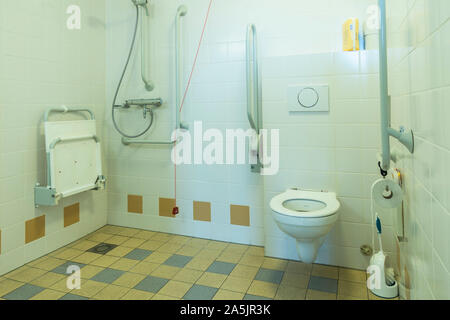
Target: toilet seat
305, 204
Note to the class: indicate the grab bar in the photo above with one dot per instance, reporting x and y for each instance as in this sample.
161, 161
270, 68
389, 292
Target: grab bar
404, 137
181, 12
149, 85
127, 142
253, 89
64, 109
253, 100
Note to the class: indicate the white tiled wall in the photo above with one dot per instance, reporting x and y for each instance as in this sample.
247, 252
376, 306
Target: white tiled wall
42, 65
419, 70
218, 98
334, 151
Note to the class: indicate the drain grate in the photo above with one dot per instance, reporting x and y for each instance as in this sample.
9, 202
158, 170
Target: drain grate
102, 248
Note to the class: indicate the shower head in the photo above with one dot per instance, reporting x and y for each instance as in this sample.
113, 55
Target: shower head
182, 10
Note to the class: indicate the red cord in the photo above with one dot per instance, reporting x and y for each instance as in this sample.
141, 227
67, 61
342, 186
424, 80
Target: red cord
175, 209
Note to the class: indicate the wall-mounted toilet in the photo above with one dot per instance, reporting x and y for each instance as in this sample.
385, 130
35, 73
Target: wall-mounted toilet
308, 216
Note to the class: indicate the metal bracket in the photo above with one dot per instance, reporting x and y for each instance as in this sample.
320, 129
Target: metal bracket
45, 196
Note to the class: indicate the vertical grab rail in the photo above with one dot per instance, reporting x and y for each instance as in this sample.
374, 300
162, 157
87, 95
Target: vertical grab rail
181, 12
253, 87
149, 85
406, 138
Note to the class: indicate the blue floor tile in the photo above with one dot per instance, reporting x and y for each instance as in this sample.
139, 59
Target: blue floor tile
323, 284
177, 260
138, 254
70, 296
62, 269
108, 275
151, 284
197, 292
221, 267
24, 292
267, 275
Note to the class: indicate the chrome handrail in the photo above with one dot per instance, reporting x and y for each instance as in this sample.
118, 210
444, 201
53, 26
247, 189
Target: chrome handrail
253, 101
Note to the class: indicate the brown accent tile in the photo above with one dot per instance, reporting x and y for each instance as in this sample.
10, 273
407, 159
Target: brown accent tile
202, 211
166, 206
135, 204
240, 215
34, 229
71, 214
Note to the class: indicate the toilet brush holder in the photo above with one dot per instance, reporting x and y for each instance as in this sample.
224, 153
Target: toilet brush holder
378, 283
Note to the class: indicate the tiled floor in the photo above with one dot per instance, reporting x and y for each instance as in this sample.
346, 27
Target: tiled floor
151, 265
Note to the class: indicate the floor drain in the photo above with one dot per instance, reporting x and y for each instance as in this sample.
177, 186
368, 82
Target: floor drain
102, 248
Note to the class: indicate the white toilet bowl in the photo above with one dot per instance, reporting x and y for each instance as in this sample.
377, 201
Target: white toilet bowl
308, 216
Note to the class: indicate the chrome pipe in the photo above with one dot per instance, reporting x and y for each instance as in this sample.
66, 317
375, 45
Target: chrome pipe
127, 142
144, 102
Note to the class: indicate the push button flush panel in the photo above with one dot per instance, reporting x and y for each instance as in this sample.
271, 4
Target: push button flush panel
313, 98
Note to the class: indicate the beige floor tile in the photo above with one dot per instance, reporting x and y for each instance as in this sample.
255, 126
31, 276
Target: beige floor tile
230, 257
255, 251
208, 253
188, 250
228, 295
37, 261
164, 237
341, 297
199, 243
128, 232
324, 271
298, 267
253, 261
188, 275
117, 240
89, 288
48, 279
144, 234
216, 245
129, 280
236, 284
119, 251
49, 263
86, 257
84, 245
319, 295
111, 292
27, 275
296, 280
199, 263
176, 289
105, 261
274, 264
137, 295
144, 268
48, 294
162, 297
236, 248
352, 289
210, 279
151, 245
124, 264
243, 271
99, 237
68, 254
179, 239
61, 285
170, 247
89, 271
133, 242
166, 272
8, 285
109, 229
158, 257
290, 293
263, 289
352, 275
17, 271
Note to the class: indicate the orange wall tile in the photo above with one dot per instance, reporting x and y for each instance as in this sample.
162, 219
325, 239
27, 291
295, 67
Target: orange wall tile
202, 211
166, 206
240, 215
71, 214
135, 204
34, 229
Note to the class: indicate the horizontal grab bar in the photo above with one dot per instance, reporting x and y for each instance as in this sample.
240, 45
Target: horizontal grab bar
64, 109
127, 142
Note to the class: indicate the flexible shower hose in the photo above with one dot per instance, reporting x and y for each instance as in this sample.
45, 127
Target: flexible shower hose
114, 106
